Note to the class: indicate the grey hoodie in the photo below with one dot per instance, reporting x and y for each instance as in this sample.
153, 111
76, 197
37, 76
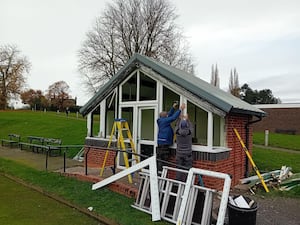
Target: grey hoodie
183, 131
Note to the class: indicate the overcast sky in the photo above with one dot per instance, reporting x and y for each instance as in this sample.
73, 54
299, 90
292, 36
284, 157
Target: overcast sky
260, 38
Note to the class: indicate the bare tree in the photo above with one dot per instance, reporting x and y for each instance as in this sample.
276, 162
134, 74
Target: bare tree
234, 86
57, 94
215, 80
13, 66
127, 27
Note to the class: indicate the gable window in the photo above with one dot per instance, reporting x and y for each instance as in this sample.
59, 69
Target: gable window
139, 87
129, 89
147, 88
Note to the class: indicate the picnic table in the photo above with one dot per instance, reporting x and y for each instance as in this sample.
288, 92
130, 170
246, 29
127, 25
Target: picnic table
42, 144
13, 140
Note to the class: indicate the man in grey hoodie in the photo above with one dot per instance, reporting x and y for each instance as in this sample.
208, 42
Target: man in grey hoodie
184, 134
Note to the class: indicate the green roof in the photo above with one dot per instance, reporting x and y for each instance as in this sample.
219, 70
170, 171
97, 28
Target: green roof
200, 88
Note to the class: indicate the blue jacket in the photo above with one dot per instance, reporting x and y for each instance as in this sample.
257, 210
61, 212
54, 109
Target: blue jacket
165, 131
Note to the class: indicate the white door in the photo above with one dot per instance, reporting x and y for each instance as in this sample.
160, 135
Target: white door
146, 135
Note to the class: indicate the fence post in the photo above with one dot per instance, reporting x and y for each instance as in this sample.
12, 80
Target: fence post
266, 137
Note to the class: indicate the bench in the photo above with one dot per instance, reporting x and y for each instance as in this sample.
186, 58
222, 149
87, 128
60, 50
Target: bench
41, 144
53, 145
13, 140
35, 144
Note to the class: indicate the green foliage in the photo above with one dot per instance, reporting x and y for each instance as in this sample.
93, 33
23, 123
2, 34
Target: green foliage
278, 140
105, 202
264, 96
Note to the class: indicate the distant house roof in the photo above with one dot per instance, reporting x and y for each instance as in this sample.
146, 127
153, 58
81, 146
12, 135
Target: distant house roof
200, 88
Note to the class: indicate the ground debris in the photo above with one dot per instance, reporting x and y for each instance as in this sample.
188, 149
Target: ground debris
283, 180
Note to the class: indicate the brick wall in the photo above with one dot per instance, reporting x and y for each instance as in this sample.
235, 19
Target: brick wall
283, 120
95, 157
234, 165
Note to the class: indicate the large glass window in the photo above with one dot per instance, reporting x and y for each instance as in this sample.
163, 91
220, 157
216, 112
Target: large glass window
96, 122
147, 128
110, 113
127, 114
129, 89
147, 88
199, 119
168, 98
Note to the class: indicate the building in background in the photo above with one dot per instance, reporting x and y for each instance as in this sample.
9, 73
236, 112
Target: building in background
281, 118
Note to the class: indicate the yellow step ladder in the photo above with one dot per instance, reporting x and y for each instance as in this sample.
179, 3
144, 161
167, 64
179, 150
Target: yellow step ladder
251, 160
120, 126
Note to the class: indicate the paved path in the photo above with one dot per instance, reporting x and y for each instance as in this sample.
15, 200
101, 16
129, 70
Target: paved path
278, 149
35, 160
38, 161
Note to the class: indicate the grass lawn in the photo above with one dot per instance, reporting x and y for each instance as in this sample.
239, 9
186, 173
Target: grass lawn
278, 140
21, 205
268, 160
71, 130
105, 202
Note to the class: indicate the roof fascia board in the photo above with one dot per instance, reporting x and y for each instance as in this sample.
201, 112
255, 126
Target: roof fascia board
107, 87
247, 112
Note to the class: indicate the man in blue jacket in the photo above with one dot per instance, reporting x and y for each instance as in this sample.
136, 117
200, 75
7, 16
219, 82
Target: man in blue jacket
166, 133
